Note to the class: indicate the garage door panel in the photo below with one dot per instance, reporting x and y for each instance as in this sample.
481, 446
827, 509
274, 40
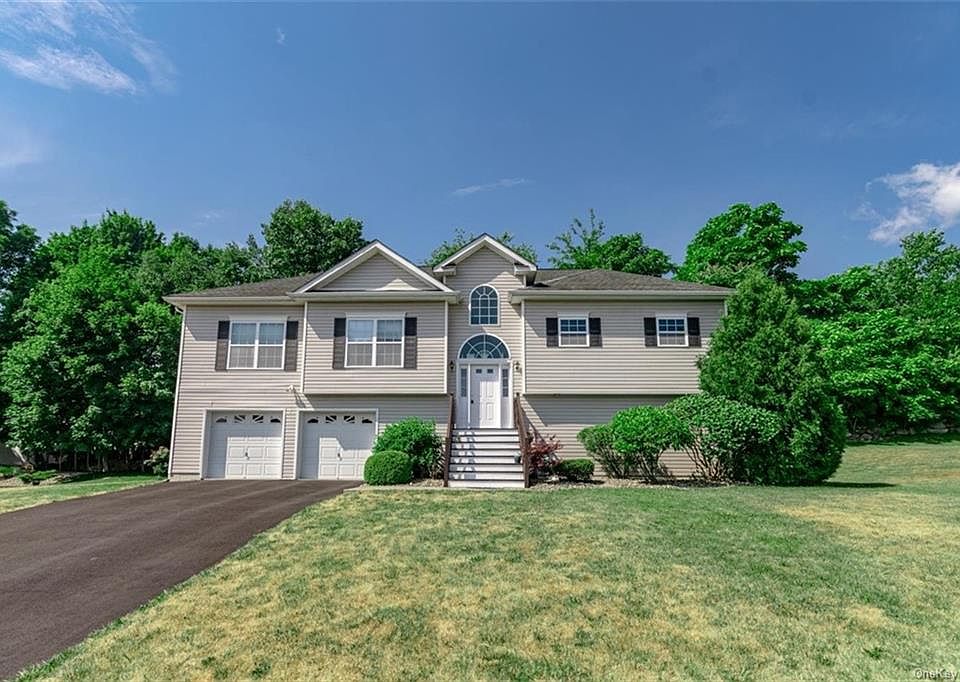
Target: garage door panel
335, 445
245, 445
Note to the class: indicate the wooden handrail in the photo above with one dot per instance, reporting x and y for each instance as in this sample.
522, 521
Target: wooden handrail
521, 422
448, 445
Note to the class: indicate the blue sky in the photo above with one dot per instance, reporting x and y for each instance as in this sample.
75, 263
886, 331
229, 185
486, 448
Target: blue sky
421, 118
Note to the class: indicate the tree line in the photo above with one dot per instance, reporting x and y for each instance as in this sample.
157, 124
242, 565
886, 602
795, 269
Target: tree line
88, 348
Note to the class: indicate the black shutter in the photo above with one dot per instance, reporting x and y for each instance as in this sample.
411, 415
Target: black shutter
410, 343
290, 352
339, 342
553, 332
650, 331
223, 345
596, 338
693, 331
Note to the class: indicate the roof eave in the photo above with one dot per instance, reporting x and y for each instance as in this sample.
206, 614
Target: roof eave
452, 296
181, 301
618, 294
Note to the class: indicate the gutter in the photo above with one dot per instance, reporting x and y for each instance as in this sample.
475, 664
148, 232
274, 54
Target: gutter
616, 294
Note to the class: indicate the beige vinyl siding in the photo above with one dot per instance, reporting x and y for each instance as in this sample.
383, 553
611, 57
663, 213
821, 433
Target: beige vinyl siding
377, 274
565, 416
484, 267
623, 365
321, 378
202, 387
389, 409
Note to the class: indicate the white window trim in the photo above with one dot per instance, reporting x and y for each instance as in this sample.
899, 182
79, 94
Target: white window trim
586, 336
470, 308
686, 329
374, 342
243, 319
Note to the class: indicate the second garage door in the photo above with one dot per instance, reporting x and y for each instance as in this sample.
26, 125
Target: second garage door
335, 445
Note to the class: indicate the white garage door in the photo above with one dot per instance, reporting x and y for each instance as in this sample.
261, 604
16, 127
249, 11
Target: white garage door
335, 445
245, 445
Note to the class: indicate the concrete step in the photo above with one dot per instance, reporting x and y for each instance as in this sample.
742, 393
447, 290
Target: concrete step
465, 458
508, 469
486, 448
486, 444
485, 484
484, 475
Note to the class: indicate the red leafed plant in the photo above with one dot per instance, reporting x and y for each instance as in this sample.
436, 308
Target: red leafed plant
543, 453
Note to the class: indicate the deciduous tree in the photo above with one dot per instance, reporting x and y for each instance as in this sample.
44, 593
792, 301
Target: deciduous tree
742, 239
587, 246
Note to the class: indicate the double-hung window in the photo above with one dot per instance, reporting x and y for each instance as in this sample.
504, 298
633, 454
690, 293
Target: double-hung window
256, 345
374, 343
573, 331
671, 331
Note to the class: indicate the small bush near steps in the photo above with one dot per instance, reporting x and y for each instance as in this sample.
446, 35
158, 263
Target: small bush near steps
388, 468
579, 470
418, 439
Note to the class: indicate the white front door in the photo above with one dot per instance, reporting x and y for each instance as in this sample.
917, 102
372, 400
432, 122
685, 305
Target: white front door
335, 445
485, 397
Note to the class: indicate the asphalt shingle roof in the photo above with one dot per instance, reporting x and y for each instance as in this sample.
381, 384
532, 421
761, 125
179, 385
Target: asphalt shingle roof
611, 280
547, 278
268, 287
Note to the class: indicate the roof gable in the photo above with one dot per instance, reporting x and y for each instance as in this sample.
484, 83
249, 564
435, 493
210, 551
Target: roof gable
488, 242
404, 276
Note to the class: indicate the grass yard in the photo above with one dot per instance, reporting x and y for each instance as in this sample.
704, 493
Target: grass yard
31, 495
856, 579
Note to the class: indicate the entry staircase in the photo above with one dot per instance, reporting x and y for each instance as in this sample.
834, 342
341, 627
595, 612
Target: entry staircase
485, 458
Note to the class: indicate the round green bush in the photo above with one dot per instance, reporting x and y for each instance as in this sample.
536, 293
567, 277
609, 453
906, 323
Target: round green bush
388, 468
416, 437
645, 432
598, 442
731, 441
580, 469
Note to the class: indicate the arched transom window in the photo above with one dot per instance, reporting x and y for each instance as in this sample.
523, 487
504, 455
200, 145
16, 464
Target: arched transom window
484, 305
484, 347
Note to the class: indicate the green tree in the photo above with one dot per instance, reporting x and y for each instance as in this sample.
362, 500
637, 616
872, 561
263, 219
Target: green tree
21, 267
764, 354
300, 239
93, 372
461, 238
890, 337
183, 265
742, 239
583, 247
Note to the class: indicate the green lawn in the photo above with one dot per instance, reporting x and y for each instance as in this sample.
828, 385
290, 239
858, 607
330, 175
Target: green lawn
28, 496
857, 579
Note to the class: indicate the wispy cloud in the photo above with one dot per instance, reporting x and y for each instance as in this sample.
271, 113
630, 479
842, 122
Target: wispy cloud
928, 196
18, 146
486, 187
281, 36
213, 215
62, 45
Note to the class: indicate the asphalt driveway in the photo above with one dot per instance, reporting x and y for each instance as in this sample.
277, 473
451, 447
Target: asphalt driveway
68, 568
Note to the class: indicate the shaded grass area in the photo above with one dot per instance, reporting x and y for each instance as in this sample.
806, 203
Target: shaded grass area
29, 496
857, 579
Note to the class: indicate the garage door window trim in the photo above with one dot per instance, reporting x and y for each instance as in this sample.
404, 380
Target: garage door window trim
374, 342
256, 344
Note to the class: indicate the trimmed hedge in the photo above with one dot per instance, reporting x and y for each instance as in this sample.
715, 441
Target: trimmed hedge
418, 438
644, 433
388, 468
575, 469
598, 441
730, 441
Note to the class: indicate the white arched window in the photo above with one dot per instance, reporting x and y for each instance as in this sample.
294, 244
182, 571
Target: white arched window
484, 305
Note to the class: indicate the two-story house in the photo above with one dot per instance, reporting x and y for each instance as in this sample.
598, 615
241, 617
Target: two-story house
293, 378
